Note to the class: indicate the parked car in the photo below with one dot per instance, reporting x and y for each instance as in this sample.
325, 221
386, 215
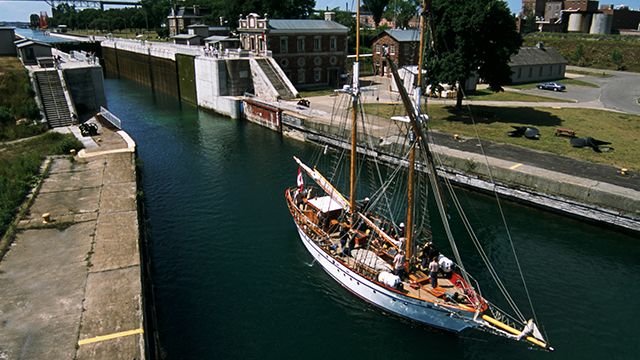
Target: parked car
552, 86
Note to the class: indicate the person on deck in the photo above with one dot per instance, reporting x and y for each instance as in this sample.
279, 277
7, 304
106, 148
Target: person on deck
365, 208
398, 264
434, 268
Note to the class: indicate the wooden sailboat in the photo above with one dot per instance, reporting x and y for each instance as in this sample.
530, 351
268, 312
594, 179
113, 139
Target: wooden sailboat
356, 243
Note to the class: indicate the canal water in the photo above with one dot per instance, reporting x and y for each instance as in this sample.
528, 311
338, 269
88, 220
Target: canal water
233, 280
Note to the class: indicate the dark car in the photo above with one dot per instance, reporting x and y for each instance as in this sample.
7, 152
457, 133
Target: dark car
552, 86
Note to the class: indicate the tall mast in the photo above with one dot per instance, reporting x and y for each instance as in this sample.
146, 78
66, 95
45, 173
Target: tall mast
412, 158
354, 110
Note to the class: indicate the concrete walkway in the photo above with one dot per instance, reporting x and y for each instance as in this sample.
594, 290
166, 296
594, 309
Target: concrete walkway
69, 283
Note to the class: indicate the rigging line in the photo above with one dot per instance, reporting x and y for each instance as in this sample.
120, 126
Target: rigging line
483, 255
504, 220
498, 200
479, 247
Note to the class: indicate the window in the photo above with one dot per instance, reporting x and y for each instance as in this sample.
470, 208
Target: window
301, 76
317, 61
317, 75
301, 61
317, 43
284, 62
333, 43
407, 48
530, 71
519, 72
333, 60
550, 70
301, 44
540, 72
284, 45
392, 49
378, 48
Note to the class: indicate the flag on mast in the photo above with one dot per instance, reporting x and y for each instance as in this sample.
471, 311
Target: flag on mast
300, 181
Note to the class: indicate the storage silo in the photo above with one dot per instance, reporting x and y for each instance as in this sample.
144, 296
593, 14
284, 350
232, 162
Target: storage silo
601, 24
574, 22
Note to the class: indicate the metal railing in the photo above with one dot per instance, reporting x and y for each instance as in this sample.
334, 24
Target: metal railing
110, 117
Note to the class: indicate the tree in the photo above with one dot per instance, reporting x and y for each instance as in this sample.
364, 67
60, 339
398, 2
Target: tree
472, 36
402, 11
529, 20
376, 7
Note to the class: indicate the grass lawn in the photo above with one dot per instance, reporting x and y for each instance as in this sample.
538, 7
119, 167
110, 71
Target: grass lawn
565, 81
600, 74
322, 92
622, 130
488, 95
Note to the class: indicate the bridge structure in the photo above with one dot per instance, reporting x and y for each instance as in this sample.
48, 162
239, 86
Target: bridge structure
85, 3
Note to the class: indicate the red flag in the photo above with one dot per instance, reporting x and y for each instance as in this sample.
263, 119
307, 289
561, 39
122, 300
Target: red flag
300, 182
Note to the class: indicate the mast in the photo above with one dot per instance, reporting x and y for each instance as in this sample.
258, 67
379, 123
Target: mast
412, 156
354, 111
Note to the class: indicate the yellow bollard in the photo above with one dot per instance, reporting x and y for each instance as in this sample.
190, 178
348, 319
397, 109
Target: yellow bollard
46, 218
456, 136
73, 151
623, 171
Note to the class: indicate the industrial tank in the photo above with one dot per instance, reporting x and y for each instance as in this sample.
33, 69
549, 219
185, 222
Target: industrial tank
601, 24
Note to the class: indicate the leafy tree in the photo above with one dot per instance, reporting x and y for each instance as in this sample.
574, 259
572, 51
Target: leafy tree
376, 7
472, 36
529, 20
404, 11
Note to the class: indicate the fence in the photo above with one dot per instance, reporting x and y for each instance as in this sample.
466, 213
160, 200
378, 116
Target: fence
110, 117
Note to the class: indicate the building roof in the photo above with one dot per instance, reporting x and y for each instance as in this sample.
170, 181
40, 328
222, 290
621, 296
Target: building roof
403, 35
185, 36
305, 24
30, 42
537, 56
217, 38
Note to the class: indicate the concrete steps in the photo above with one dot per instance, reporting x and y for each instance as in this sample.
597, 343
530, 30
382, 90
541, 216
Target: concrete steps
56, 109
275, 79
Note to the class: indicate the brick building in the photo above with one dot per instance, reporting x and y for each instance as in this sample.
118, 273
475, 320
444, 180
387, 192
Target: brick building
402, 45
310, 52
180, 18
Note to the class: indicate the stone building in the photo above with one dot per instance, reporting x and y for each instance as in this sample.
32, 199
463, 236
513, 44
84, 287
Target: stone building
184, 16
537, 64
310, 52
402, 45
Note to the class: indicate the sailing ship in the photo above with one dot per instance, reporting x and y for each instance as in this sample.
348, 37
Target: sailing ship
382, 249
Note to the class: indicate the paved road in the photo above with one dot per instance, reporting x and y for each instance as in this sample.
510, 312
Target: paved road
619, 92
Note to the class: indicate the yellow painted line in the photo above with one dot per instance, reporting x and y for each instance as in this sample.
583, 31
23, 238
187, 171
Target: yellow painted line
515, 166
109, 337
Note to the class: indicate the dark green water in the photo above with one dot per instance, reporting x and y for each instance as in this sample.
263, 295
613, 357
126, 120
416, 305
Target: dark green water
233, 280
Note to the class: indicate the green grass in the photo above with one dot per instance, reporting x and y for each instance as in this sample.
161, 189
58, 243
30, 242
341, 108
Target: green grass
600, 74
321, 92
565, 81
488, 95
622, 130
19, 166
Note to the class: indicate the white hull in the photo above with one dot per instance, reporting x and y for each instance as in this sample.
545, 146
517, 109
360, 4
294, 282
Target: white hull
425, 312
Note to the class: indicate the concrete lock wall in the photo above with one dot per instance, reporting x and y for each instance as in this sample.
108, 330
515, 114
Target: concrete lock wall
86, 86
151, 66
186, 78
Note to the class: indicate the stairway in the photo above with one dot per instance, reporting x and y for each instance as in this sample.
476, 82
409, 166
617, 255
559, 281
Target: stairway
275, 79
56, 109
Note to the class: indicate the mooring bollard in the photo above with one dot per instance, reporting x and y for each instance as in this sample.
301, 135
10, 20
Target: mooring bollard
46, 218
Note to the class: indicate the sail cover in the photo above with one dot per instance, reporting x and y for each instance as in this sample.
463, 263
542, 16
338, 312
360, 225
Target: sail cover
325, 204
371, 260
